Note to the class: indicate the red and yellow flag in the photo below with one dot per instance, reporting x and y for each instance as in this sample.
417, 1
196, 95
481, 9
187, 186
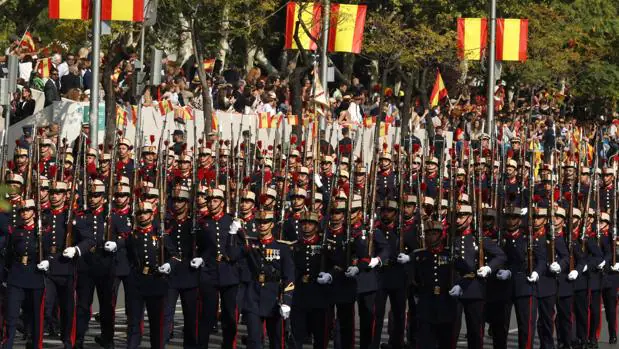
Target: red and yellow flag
369, 121
134, 114
44, 67
472, 37
214, 123
511, 39
122, 10
265, 120
293, 120
346, 27
439, 91
69, 9
209, 64
121, 116
383, 129
188, 113
27, 42
165, 106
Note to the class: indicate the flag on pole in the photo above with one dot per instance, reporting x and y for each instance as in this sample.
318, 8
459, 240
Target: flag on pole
472, 37
511, 39
346, 27
121, 116
293, 120
369, 121
165, 106
69, 9
27, 42
439, 91
209, 65
311, 17
134, 114
44, 67
214, 123
188, 113
383, 129
266, 120
122, 10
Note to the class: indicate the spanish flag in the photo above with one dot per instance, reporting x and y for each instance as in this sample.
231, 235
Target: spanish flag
121, 116
27, 42
383, 129
293, 120
134, 114
264, 120
44, 67
209, 64
214, 123
165, 107
187, 113
346, 27
472, 37
511, 39
439, 91
311, 17
122, 10
369, 121
69, 9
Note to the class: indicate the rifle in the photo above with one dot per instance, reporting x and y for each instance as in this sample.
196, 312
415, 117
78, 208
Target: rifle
570, 223
349, 240
613, 244
31, 153
441, 168
293, 142
478, 216
5, 155
372, 204
551, 208
36, 144
530, 218
110, 188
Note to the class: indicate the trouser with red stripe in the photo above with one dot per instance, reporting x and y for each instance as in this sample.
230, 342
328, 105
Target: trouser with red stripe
581, 314
313, 320
255, 326
609, 296
397, 299
86, 285
595, 303
563, 322
526, 314
499, 322
34, 301
155, 306
346, 322
189, 303
545, 308
367, 319
474, 317
60, 290
208, 317
435, 335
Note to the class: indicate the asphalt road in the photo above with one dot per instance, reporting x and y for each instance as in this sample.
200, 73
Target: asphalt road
176, 342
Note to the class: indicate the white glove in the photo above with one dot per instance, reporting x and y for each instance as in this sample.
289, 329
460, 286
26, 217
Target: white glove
110, 246
484, 271
234, 227
584, 269
403, 258
165, 268
196, 262
352, 271
374, 262
601, 265
317, 180
555, 267
69, 252
615, 267
503, 274
324, 278
456, 291
572, 275
43, 266
534, 277
284, 311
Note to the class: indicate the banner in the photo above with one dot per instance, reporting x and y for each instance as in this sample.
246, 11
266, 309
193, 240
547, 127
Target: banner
511, 39
472, 38
69, 9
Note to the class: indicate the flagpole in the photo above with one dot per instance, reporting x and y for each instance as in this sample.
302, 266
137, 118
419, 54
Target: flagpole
324, 64
491, 64
21, 41
94, 89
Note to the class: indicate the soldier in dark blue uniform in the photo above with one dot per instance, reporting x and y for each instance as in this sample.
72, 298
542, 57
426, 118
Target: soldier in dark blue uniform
184, 278
95, 267
595, 272
386, 179
148, 169
611, 278
270, 288
472, 288
218, 250
436, 309
26, 276
292, 224
522, 282
309, 303
431, 177
394, 277
125, 164
581, 284
60, 281
325, 180
47, 161
152, 258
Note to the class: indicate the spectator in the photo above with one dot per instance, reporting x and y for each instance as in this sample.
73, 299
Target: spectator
339, 92
63, 68
25, 106
70, 81
84, 66
52, 88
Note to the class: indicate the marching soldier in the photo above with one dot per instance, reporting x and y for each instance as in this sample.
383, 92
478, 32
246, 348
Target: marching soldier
60, 281
46, 161
309, 302
218, 251
386, 186
292, 224
269, 292
183, 280
26, 276
148, 170
436, 309
152, 258
595, 273
125, 164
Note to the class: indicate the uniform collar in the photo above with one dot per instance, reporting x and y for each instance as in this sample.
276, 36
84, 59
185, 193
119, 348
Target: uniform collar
311, 241
337, 231
466, 231
248, 217
29, 227
58, 211
122, 211
98, 210
218, 216
144, 230
268, 240
45, 206
514, 234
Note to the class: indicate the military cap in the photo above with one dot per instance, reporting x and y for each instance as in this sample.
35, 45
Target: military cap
309, 216
27, 204
304, 170
125, 141
216, 193
59, 186
560, 212
181, 194
513, 211
248, 195
338, 206
344, 174
465, 209
144, 207
299, 192
264, 216
389, 205
21, 151
15, 178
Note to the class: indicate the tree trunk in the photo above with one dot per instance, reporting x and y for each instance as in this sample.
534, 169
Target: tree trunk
422, 89
185, 49
349, 62
224, 45
207, 102
250, 54
263, 61
296, 88
116, 52
409, 90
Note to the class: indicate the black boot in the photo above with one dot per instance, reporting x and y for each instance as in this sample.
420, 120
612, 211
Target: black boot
612, 339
